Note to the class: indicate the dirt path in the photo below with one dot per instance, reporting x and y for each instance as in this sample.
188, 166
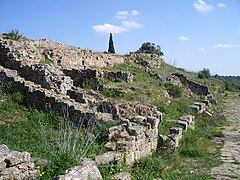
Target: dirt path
230, 153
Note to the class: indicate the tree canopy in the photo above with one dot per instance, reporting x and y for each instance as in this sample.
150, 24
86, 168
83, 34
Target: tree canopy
150, 48
111, 48
205, 73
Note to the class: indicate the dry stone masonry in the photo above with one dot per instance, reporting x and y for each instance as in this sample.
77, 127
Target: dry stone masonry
16, 165
59, 85
87, 170
28, 52
195, 87
185, 122
135, 138
151, 60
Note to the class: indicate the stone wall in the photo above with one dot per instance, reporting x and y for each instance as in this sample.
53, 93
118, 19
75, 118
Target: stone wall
47, 76
146, 59
42, 98
128, 110
85, 78
92, 77
135, 138
27, 52
16, 165
123, 75
195, 87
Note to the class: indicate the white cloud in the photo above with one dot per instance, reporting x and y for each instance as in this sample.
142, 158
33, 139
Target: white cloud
204, 50
131, 25
226, 46
124, 26
202, 6
221, 5
122, 15
125, 14
135, 13
183, 38
108, 28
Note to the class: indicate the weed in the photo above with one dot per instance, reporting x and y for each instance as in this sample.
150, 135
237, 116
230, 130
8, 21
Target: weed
46, 61
108, 170
111, 92
47, 135
174, 90
14, 35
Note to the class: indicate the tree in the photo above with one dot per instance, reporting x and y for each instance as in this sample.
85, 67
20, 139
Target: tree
205, 73
150, 48
111, 46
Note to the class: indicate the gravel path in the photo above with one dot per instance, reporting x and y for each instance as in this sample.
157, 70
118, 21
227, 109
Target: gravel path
230, 153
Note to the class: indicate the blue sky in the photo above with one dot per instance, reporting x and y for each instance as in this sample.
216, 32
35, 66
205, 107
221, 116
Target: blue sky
193, 34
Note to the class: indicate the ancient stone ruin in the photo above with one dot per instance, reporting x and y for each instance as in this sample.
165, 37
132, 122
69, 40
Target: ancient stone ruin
195, 87
16, 165
135, 138
59, 85
29, 52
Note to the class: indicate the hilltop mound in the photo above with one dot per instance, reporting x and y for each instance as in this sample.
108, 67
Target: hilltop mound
135, 91
29, 52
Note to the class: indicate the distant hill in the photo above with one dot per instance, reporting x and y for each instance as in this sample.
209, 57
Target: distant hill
231, 82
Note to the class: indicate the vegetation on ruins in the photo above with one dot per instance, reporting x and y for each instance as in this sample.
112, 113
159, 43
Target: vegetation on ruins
150, 48
62, 141
111, 48
14, 35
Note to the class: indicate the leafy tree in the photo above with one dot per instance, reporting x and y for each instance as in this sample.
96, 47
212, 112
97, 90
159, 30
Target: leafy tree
150, 48
205, 73
111, 46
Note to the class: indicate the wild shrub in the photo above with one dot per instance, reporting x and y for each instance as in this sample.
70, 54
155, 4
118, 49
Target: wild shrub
14, 35
174, 90
108, 170
205, 73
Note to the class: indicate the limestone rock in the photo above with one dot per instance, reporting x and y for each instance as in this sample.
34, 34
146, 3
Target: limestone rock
27, 52
152, 60
135, 138
175, 136
87, 170
47, 76
122, 176
16, 165
108, 157
194, 86
190, 119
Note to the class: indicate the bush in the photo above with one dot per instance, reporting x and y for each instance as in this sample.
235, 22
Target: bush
174, 90
150, 48
14, 35
205, 73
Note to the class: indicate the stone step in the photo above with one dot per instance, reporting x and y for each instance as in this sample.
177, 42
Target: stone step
43, 98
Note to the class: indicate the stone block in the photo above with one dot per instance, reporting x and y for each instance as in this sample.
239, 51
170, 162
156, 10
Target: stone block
86, 170
122, 176
190, 119
108, 157
135, 139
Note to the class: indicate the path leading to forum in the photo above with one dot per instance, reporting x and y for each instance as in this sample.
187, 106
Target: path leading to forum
230, 153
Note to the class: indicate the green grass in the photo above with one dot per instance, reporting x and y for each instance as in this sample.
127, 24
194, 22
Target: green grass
108, 170
194, 158
46, 61
26, 129
177, 108
38, 132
